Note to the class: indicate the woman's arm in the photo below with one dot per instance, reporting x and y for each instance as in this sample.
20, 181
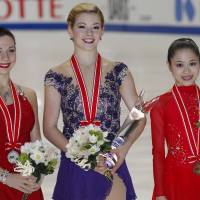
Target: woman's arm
17, 181
35, 132
158, 149
129, 95
52, 101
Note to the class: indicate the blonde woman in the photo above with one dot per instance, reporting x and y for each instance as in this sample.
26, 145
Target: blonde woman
84, 81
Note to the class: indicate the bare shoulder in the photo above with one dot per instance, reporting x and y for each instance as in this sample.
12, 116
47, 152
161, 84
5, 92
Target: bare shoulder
108, 65
29, 93
63, 68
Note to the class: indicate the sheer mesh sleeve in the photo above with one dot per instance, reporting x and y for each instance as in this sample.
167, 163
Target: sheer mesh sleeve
158, 150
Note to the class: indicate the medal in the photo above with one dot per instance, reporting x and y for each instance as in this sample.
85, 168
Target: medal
89, 111
12, 156
192, 142
12, 127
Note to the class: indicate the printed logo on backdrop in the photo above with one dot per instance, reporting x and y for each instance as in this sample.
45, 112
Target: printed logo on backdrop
184, 8
118, 9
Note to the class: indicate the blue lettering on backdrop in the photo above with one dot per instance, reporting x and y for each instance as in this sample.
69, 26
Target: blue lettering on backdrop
184, 6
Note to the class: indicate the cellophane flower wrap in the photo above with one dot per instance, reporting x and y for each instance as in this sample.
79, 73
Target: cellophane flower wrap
37, 158
86, 144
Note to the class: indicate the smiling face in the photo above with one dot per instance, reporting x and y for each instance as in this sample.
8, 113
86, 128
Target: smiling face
185, 67
86, 31
7, 54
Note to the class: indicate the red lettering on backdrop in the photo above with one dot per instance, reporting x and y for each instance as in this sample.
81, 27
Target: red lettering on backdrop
53, 7
40, 8
8, 9
21, 8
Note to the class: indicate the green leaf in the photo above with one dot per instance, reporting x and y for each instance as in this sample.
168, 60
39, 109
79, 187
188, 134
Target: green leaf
23, 158
106, 147
198, 124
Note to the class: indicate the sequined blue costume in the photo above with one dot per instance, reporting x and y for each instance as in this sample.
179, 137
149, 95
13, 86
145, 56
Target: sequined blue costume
73, 183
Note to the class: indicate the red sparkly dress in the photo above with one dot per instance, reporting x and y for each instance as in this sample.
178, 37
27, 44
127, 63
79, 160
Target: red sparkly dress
27, 122
175, 140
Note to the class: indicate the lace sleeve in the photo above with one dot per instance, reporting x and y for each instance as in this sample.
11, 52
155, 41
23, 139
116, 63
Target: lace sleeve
121, 71
54, 79
158, 150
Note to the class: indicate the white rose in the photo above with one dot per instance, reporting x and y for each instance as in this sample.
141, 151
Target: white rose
93, 138
94, 149
38, 157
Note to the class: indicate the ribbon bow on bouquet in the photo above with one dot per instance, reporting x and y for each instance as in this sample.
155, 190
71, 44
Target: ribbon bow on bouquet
136, 114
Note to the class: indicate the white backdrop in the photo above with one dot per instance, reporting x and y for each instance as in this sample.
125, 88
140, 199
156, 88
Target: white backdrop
144, 53
151, 12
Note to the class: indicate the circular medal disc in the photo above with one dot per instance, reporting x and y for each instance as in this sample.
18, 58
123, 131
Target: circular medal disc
12, 156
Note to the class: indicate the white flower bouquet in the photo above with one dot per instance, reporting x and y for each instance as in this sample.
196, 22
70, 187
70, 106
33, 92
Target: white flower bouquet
36, 158
86, 144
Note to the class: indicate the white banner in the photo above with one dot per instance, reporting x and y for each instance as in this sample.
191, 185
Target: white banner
128, 12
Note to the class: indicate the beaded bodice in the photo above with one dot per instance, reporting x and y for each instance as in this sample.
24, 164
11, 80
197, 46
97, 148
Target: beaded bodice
108, 108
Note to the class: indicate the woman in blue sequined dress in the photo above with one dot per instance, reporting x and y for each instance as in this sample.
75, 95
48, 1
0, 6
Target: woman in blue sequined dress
88, 90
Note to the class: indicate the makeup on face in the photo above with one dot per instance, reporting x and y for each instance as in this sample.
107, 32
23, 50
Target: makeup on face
7, 52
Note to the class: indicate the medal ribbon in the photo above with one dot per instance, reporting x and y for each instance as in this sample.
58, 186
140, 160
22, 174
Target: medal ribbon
194, 146
194, 159
12, 128
90, 113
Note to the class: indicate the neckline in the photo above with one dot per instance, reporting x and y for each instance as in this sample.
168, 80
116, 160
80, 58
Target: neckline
187, 89
90, 108
65, 76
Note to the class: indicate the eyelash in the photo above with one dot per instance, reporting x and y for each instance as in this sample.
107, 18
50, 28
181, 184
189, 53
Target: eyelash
12, 50
9, 51
84, 27
182, 65
193, 63
179, 65
81, 26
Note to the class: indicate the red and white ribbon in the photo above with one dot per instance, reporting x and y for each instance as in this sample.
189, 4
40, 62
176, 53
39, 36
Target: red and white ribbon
194, 159
89, 111
12, 128
193, 143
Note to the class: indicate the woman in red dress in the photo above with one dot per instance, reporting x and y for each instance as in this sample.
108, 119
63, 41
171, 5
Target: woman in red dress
18, 124
174, 123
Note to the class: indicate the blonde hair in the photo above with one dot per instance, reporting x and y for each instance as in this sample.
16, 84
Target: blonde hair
84, 8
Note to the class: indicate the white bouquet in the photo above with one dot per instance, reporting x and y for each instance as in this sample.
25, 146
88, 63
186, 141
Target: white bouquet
36, 158
86, 144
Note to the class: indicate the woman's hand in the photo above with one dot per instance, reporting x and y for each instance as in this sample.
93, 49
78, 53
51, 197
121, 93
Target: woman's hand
100, 164
161, 198
39, 183
121, 153
24, 184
